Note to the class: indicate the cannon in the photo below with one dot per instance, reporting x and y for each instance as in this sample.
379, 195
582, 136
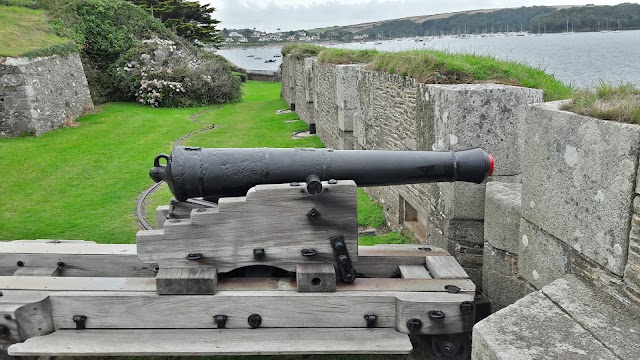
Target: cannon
273, 244
212, 173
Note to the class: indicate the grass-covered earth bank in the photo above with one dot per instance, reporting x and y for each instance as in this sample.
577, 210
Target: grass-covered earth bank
437, 67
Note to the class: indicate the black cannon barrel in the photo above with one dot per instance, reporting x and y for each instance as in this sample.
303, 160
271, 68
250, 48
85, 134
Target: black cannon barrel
212, 173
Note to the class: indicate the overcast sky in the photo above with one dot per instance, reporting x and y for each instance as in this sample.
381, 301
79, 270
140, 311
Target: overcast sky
268, 15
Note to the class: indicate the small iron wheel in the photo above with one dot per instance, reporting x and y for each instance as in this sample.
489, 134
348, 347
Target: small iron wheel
451, 347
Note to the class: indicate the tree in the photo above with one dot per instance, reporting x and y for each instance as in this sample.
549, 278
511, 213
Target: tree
187, 18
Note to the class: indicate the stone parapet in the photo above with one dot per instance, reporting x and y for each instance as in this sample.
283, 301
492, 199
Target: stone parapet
569, 318
490, 116
580, 180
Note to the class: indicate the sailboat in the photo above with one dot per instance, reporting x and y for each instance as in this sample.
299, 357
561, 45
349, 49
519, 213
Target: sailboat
618, 29
521, 33
567, 32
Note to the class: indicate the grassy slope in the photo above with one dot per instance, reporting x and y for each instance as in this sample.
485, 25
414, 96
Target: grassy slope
24, 30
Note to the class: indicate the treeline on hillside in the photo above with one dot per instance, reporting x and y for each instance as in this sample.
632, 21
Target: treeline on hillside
128, 55
584, 18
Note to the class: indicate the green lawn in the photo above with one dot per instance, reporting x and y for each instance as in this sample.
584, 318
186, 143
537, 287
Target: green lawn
83, 182
23, 30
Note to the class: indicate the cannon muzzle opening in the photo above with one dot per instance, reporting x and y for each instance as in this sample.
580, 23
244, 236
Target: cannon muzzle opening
214, 173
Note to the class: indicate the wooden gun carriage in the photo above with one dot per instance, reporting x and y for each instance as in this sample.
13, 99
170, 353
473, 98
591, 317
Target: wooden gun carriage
276, 270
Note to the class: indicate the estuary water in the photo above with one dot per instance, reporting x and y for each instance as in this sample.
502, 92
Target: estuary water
580, 59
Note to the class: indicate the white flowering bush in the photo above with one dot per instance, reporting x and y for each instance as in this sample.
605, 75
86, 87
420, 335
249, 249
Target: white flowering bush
162, 73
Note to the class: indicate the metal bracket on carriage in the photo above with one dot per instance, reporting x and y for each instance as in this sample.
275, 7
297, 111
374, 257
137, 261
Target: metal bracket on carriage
345, 267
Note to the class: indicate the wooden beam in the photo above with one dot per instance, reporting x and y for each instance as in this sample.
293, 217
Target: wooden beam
272, 217
189, 342
187, 281
105, 260
66, 247
241, 284
316, 278
25, 314
278, 309
414, 272
77, 283
37, 271
445, 267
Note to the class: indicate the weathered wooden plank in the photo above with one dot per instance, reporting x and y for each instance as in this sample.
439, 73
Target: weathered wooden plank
66, 247
445, 267
122, 261
449, 317
77, 283
278, 309
316, 278
407, 285
273, 217
79, 258
187, 281
214, 342
107, 265
8, 321
241, 284
34, 319
401, 250
25, 315
37, 271
22, 296
161, 215
383, 260
414, 272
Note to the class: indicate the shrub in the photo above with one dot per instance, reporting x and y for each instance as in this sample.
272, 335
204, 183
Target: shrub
107, 29
103, 29
169, 74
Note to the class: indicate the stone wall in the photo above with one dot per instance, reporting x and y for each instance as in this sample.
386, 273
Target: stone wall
42, 94
562, 198
359, 109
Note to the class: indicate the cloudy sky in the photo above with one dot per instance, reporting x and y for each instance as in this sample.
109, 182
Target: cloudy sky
268, 15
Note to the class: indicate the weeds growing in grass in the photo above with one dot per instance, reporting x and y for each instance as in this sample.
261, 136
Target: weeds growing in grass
608, 102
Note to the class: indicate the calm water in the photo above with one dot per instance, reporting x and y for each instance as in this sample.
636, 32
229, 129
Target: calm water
581, 59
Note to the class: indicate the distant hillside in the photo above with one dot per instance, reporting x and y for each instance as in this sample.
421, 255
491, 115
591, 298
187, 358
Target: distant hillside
547, 18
